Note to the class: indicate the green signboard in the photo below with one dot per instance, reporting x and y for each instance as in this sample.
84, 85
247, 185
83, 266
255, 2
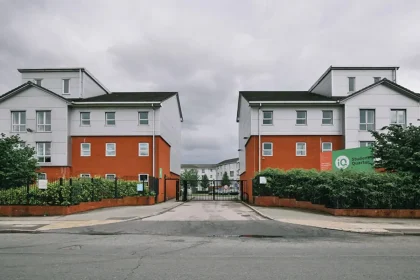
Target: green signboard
355, 159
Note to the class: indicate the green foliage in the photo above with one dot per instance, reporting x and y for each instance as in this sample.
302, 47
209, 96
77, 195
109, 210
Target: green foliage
342, 189
398, 149
80, 190
225, 179
16, 164
205, 183
190, 175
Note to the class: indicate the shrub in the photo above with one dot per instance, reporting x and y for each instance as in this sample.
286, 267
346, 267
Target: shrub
342, 189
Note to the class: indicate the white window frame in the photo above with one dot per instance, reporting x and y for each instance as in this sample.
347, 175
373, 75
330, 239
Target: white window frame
231, 173
20, 145
113, 176
331, 119
84, 175
44, 125
82, 151
36, 82
376, 79
45, 155
405, 117
366, 143
366, 111
306, 117
20, 125
84, 120
62, 89
270, 120
300, 150
270, 151
146, 181
354, 83
107, 119
144, 149
44, 174
147, 119
326, 150
110, 150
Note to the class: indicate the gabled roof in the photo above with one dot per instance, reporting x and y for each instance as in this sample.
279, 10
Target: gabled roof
27, 85
70, 69
227, 161
198, 166
385, 82
351, 68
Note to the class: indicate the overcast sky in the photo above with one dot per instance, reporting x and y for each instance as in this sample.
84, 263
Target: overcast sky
208, 50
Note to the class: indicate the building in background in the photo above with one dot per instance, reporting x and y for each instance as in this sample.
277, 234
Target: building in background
215, 171
80, 128
290, 129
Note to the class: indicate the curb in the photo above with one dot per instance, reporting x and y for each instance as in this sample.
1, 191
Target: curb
156, 214
4, 231
258, 212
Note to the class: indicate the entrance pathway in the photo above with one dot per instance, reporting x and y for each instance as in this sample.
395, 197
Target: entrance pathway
208, 211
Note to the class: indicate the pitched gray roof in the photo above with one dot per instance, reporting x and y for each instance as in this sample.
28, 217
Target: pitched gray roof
284, 96
227, 161
198, 166
130, 97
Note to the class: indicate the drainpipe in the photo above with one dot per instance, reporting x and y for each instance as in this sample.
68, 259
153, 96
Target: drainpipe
153, 144
259, 140
80, 83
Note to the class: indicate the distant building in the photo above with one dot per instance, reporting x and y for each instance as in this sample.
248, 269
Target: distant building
215, 171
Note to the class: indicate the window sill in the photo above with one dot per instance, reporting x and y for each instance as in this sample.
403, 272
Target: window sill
143, 156
301, 155
110, 156
18, 131
110, 125
143, 124
327, 124
84, 156
85, 125
267, 124
301, 125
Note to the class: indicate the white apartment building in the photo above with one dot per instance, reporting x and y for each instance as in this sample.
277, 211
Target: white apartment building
215, 171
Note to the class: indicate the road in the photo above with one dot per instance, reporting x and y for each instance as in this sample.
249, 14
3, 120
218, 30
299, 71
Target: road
207, 241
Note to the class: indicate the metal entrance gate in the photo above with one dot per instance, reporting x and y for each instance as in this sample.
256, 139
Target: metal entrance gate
200, 190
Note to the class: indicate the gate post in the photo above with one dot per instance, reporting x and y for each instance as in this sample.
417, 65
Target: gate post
177, 190
241, 190
184, 190
214, 190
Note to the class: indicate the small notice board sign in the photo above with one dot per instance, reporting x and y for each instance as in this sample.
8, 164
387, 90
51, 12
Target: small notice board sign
42, 184
140, 187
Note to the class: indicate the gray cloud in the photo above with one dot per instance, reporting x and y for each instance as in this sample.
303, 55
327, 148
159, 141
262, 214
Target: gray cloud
208, 50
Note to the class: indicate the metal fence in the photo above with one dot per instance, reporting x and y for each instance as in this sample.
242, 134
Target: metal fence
72, 191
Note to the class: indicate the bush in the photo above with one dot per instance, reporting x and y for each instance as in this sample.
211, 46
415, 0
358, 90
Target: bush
342, 189
79, 190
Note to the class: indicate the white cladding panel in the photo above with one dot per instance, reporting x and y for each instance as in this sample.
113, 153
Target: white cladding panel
229, 167
32, 100
364, 78
244, 131
325, 86
382, 100
284, 121
90, 88
126, 122
170, 128
54, 82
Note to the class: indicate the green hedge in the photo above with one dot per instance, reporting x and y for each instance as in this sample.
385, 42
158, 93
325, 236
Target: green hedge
70, 192
342, 189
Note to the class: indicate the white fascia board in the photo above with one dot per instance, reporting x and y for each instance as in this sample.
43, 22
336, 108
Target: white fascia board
293, 102
117, 103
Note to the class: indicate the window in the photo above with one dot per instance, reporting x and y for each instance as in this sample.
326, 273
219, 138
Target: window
300, 149
66, 86
143, 149
366, 143
398, 117
203, 171
211, 176
352, 83
110, 118
42, 176
376, 79
267, 149
18, 121
85, 149
20, 145
143, 117
43, 151
232, 173
43, 121
38, 82
301, 117
84, 175
85, 118
367, 120
327, 117
143, 177
211, 170
110, 149
326, 146
110, 176
267, 117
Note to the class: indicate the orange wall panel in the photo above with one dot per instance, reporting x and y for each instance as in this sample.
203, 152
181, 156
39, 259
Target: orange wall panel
55, 172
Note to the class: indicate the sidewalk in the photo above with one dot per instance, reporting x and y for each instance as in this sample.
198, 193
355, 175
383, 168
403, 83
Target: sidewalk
95, 217
351, 224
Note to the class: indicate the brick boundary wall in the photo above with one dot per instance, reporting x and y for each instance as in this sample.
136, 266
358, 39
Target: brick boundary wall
35, 210
273, 201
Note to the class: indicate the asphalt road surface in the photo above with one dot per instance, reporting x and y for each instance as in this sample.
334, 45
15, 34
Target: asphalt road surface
211, 244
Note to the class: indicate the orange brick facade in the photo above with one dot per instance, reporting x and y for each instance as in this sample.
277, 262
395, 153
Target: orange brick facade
284, 153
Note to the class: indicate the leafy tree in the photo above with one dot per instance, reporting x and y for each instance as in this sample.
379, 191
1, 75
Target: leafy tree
225, 179
205, 183
398, 149
18, 164
190, 175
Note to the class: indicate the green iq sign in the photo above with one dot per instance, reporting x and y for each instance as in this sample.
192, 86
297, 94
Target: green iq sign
356, 159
